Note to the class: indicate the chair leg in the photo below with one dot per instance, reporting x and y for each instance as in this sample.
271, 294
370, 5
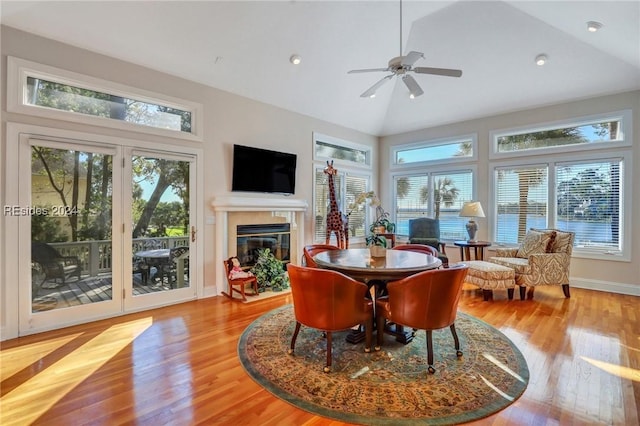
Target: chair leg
510, 293
293, 339
565, 289
380, 331
327, 368
523, 292
487, 294
368, 332
430, 351
456, 341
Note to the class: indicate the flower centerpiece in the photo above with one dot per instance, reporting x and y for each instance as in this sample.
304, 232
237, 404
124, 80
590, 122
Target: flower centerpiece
381, 224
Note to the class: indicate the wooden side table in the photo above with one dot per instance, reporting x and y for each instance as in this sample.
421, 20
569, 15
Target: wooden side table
465, 249
390, 237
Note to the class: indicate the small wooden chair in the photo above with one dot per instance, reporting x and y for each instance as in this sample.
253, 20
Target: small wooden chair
238, 284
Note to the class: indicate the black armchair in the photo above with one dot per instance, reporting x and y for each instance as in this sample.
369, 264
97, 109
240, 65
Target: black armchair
53, 264
426, 231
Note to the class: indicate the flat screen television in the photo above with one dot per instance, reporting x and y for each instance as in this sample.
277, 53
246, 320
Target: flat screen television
262, 170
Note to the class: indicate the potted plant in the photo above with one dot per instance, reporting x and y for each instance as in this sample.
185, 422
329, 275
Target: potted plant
270, 272
377, 245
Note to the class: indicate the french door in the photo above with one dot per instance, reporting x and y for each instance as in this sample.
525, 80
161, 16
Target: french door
160, 227
103, 229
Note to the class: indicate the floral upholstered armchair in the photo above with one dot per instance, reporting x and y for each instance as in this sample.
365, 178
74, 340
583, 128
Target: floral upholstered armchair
543, 258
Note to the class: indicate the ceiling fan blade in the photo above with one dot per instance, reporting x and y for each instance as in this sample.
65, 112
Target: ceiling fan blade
411, 58
412, 85
372, 90
438, 71
367, 70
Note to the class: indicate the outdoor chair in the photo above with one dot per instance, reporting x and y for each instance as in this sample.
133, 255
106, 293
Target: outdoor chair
543, 258
426, 231
329, 301
171, 268
424, 301
53, 264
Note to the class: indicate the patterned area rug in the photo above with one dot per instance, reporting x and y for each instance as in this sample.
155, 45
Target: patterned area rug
389, 387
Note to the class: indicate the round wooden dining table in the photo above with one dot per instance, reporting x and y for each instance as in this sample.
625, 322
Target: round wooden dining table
359, 265
376, 271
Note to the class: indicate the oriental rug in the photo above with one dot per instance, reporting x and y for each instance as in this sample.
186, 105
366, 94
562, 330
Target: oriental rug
392, 386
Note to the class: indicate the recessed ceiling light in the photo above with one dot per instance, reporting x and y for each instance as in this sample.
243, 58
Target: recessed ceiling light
593, 26
295, 59
541, 59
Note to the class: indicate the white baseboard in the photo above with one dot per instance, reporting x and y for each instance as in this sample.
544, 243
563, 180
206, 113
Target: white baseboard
608, 286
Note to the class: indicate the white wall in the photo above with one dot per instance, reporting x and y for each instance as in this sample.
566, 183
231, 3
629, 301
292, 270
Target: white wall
228, 119
589, 273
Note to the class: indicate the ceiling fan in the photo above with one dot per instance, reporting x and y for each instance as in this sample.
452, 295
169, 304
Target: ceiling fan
401, 66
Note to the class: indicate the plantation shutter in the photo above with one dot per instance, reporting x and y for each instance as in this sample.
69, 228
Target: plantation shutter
322, 201
355, 185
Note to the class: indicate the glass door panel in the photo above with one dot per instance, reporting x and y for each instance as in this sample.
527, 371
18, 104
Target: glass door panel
71, 226
160, 225
67, 259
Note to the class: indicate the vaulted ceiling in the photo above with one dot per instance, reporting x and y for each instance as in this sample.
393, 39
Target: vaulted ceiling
244, 48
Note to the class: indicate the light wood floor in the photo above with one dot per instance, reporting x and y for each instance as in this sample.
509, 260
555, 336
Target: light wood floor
178, 365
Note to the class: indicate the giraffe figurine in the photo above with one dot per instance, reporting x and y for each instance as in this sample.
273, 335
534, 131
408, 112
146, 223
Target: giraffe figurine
336, 221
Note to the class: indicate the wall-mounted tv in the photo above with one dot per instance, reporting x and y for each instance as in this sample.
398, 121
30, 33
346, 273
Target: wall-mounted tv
262, 170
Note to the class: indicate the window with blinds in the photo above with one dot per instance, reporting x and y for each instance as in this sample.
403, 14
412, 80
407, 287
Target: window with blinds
437, 195
347, 188
588, 203
521, 202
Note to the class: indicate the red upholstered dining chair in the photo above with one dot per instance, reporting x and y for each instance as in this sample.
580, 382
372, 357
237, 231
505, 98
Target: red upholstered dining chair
328, 301
424, 301
311, 250
418, 248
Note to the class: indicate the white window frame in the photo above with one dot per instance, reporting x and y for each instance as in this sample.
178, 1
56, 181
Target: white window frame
431, 173
625, 140
625, 196
473, 137
18, 70
319, 137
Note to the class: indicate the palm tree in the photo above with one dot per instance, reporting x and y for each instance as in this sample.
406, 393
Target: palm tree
444, 192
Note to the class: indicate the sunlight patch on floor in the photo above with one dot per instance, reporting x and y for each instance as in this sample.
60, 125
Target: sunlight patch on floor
16, 359
616, 370
52, 384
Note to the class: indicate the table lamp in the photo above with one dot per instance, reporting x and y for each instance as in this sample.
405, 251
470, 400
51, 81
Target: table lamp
472, 209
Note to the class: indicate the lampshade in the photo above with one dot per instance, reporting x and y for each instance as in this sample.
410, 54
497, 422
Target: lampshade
472, 209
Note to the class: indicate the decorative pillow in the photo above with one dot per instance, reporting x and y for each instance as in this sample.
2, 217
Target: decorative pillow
534, 243
561, 243
552, 233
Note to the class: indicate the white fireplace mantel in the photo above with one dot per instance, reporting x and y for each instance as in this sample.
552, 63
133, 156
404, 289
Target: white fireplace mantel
225, 206
247, 203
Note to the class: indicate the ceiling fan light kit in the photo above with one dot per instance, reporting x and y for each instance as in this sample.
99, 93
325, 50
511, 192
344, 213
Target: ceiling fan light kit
400, 66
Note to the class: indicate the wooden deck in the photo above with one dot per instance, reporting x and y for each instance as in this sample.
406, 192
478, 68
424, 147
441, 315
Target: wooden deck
87, 290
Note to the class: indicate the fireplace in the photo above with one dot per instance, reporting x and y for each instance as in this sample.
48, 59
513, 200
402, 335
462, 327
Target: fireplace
234, 211
273, 236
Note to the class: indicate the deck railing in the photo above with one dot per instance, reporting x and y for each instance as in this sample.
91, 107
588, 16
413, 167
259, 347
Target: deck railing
96, 255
